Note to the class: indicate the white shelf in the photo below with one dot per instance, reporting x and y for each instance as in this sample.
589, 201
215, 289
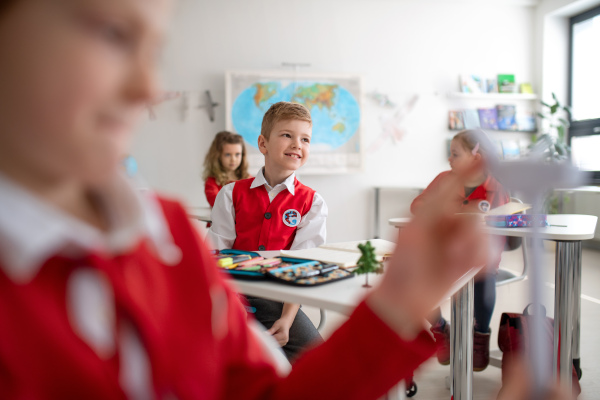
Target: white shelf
493, 96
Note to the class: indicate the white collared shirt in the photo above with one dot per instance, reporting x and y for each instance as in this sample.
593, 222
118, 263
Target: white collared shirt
32, 231
311, 231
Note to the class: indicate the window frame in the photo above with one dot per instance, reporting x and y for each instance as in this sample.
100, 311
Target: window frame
590, 126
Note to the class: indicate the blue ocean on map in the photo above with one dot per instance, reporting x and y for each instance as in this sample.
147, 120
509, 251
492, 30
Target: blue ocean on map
335, 111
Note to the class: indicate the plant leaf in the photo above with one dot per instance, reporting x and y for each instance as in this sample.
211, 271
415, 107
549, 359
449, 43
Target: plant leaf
554, 108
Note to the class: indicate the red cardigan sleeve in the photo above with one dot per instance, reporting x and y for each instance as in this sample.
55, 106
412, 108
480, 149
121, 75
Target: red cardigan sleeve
362, 360
211, 189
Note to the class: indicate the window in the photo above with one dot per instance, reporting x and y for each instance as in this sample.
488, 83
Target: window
584, 91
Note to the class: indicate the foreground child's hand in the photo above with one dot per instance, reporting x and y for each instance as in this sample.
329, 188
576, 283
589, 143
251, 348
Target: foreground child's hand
432, 252
280, 331
518, 384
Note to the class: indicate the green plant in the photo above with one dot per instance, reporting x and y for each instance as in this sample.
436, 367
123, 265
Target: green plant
368, 262
552, 143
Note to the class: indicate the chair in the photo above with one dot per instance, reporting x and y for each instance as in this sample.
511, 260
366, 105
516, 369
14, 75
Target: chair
505, 276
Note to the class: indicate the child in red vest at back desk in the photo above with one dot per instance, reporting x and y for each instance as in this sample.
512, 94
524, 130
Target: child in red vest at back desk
274, 211
225, 162
480, 193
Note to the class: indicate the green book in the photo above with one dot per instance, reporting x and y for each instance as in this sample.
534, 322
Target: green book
506, 83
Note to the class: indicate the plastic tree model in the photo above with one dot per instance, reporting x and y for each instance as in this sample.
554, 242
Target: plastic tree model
368, 262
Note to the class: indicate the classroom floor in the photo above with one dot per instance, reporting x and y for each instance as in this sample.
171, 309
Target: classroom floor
430, 378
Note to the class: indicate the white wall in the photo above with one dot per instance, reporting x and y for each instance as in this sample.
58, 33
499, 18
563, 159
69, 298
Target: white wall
401, 48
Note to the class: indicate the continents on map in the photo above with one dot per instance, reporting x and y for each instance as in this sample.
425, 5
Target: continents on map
334, 110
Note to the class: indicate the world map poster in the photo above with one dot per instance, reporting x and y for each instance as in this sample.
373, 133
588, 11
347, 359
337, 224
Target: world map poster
334, 104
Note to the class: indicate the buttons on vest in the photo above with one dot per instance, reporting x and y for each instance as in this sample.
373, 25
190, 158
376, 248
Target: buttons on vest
261, 248
268, 215
466, 202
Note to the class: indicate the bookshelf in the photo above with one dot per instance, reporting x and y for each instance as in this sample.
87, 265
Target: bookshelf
510, 143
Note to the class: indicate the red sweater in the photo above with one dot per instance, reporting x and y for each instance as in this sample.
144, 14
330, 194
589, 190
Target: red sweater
211, 189
193, 330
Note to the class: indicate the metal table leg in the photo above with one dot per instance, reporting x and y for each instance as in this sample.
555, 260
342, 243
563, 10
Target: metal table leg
568, 264
577, 308
461, 343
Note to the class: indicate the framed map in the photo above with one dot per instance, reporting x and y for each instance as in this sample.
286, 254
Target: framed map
334, 104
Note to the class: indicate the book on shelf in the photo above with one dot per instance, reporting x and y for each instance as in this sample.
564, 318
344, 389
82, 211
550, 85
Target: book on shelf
455, 120
344, 254
526, 88
506, 83
506, 117
471, 83
492, 85
471, 118
510, 149
488, 118
525, 121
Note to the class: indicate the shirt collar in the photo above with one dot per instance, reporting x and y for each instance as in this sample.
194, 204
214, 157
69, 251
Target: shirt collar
260, 180
32, 231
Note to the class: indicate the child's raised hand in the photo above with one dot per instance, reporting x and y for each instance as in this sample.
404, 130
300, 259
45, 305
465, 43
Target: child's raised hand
433, 251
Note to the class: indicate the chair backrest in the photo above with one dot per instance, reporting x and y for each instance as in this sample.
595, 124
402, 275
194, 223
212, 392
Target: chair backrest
513, 243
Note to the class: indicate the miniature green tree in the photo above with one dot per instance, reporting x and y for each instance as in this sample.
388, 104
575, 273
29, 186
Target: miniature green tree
368, 262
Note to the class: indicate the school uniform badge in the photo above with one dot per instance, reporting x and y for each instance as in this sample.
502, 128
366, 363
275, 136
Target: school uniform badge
484, 205
291, 218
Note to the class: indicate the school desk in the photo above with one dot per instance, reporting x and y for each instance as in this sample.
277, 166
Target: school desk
568, 231
341, 297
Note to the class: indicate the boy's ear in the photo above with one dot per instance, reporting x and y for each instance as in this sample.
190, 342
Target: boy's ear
262, 144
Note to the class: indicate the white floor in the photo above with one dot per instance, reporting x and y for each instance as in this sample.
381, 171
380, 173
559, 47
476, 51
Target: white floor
430, 378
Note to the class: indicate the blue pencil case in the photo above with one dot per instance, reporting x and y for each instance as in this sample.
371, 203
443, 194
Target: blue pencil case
288, 270
517, 220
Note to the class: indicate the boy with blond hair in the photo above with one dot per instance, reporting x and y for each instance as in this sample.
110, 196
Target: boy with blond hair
274, 211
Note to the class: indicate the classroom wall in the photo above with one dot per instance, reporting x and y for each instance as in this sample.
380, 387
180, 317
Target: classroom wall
401, 48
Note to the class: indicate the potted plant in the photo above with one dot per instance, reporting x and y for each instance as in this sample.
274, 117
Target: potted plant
551, 145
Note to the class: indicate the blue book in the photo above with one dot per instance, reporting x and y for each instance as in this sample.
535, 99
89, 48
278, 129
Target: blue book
488, 118
506, 117
471, 118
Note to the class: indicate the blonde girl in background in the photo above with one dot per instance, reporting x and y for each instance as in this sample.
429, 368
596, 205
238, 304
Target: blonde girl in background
225, 162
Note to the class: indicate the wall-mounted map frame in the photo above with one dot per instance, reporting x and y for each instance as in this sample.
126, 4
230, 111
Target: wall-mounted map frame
334, 101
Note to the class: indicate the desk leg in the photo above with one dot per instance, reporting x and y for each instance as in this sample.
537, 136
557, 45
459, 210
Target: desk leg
577, 307
461, 343
568, 260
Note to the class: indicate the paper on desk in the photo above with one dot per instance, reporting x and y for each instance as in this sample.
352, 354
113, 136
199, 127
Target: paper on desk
383, 247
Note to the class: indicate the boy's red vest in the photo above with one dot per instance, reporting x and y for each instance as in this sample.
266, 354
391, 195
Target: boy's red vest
264, 225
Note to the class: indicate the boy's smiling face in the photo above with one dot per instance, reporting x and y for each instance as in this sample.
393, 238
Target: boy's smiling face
77, 77
287, 148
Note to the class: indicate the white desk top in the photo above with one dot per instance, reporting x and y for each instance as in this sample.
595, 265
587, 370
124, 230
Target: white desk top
200, 213
342, 296
566, 227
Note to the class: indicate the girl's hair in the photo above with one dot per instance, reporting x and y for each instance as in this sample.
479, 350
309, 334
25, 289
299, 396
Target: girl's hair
212, 162
470, 140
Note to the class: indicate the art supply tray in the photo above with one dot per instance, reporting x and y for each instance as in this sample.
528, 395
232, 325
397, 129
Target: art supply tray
288, 270
517, 220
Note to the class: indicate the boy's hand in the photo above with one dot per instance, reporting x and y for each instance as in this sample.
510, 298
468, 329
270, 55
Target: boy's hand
432, 252
280, 331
